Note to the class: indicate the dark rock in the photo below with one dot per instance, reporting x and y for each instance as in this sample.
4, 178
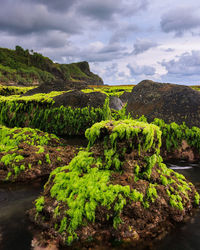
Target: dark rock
57, 85
170, 102
115, 103
78, 99
47, 87
125, 96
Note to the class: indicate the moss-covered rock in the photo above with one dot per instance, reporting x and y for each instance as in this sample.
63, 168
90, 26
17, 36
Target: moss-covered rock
118, 188
27, 154
41, 111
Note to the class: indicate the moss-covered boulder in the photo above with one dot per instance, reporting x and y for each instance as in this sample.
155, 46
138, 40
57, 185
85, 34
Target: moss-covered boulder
118, 188
170, 102
27, 154
43, 111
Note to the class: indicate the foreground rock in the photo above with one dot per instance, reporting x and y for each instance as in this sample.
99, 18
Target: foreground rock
27, 154
170, 102
118, 189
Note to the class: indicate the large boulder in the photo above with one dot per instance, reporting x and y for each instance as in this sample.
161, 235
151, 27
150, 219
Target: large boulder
78, 99
170, 102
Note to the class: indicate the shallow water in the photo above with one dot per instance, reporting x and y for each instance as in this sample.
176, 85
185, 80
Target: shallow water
16, 199
185, 236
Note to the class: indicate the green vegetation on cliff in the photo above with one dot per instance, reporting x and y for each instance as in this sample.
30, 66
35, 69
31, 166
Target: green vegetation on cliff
21, 66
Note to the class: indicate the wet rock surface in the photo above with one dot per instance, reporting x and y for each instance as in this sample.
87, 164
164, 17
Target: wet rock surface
170, 102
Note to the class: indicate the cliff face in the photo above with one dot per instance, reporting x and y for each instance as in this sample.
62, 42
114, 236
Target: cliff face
24, 67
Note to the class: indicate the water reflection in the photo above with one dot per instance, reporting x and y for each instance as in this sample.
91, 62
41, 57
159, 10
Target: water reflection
15, 201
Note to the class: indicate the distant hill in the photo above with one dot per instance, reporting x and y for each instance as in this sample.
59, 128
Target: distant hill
24, 67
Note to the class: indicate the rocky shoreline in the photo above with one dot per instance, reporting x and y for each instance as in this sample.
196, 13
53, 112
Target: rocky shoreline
129, 196
117, 189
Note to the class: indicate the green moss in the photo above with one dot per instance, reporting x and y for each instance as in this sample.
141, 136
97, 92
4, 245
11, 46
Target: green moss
10, 147
151, 192
39, 204
110, 90
88, 182
13, 90
129, 129
37, 111
48, 160
24, 67
196, 198
83, 193
173, 134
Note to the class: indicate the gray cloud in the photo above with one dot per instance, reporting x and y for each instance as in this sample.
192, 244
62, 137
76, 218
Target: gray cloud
100, 10
91, 53
107, 53
136, 70
121, 33
169, 50
180, 20
188, 64
59, 5
104, 10
53, 39
141, 46
20, 17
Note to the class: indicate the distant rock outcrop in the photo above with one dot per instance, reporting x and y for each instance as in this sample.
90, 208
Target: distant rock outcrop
24, 67
170, 102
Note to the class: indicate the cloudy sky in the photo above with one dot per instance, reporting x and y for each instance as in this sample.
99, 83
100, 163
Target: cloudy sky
125, 41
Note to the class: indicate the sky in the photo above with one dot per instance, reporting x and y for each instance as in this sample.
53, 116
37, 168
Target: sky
124, 41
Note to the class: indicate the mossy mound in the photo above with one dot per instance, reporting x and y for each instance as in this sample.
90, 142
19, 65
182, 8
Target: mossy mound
178, 141
118, 188
26, 154
40, 111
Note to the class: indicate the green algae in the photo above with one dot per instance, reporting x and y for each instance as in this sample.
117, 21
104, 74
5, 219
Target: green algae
10, 141
173, 134
10, 138
127, 129
38, 111
13, 90
39, 204
87, 182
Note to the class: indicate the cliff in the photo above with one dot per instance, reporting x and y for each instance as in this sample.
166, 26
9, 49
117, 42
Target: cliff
24, 67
